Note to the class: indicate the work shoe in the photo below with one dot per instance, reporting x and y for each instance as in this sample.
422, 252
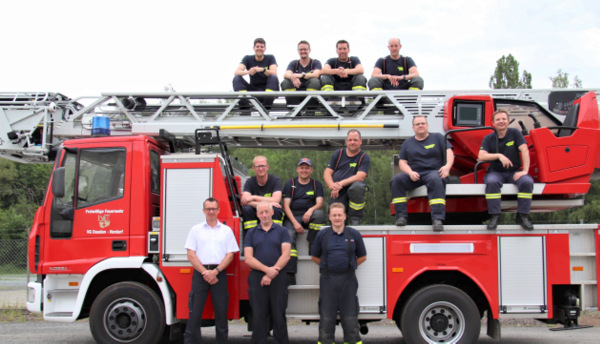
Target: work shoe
354, 221
401, 221
437, 224
493, 224
523, 220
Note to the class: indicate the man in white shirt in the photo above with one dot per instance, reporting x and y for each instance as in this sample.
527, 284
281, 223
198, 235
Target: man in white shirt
210, 248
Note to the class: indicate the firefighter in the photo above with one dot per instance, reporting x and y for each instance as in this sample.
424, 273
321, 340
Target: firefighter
338, 250
395, 72
302, 74
210, 248
302, 203
267, 251
262, 69
509, 164
343, 73
422, 163
262, 187
345, 174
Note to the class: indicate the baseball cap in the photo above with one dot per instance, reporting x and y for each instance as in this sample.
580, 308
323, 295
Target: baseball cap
305, 161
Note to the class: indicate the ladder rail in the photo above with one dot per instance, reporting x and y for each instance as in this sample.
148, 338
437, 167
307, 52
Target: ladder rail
57, 118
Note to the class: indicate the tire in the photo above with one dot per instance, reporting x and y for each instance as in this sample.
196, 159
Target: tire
127, 312
440, 314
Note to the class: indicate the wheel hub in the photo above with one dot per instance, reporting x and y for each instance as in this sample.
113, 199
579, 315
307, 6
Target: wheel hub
442, 322
439, 322
125, 320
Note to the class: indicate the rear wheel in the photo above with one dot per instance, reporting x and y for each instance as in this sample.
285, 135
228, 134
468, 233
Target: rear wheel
127, 312
440, 314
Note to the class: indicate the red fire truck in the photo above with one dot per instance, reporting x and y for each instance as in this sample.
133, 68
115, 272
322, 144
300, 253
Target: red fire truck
132, 170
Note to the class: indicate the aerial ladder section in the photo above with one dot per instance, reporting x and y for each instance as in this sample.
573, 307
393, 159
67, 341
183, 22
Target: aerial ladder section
33, 124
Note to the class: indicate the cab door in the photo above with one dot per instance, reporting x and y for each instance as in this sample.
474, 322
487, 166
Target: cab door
89, 218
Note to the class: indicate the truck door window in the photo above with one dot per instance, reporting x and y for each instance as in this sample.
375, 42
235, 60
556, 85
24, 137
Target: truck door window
101, 176
154, 172
63, 207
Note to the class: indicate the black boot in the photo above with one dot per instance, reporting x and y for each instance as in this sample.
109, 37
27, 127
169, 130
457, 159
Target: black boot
437, 224
494, 219
401, 221
523, 220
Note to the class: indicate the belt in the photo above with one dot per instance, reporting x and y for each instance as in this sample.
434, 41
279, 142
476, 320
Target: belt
211, 267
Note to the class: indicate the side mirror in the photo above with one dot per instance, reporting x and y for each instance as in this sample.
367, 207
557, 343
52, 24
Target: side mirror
58, 182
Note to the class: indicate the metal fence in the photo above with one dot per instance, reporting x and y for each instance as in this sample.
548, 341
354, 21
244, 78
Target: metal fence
13, 273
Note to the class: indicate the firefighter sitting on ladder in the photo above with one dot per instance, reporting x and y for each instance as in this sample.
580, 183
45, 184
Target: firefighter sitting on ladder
262, 187
262, 69
395, 72
343, 73
302, 74
345, 174
505, 167
422, 163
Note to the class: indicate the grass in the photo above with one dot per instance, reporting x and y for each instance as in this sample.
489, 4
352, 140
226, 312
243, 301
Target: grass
11, 313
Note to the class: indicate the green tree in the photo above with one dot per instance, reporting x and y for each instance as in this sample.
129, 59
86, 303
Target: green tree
282, 163
577, 83
561, 80
506, 74
22, 188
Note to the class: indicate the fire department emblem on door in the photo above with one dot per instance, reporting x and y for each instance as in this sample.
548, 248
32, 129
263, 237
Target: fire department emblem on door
104, 220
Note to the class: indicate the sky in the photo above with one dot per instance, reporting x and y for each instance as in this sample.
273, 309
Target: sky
84, 48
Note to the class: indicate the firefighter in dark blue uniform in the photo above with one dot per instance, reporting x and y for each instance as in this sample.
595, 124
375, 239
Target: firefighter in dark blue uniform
267, 251
506, 167
422, 161
338, 250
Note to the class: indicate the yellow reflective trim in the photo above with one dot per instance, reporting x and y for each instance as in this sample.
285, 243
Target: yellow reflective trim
279, 222
524, 195
377, 89
289, 89
243, 91
493, 196
294, 253
315, 226
327, 88
269, 90
311, 89
399, 200
362, 88
414, 88
250, 224
437, 201
356, 206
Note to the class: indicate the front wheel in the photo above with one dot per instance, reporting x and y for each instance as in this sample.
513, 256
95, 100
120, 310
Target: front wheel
440, 314
127, 312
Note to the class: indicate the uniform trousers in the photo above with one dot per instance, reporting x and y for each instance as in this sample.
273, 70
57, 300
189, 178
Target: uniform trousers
197, 300
493, 183
436, 192
313, 226
338, 293
353, 198
240, 84
415, 83
355, 83
271, 298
